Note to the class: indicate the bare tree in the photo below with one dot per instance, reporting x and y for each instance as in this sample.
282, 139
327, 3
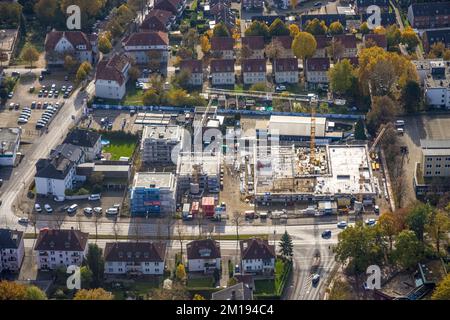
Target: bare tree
237, 221
59, 220
96, 222
179, 231
199, 218
116, 230
78, 217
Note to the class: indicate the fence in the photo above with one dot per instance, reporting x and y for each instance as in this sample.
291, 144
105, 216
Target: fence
227, 111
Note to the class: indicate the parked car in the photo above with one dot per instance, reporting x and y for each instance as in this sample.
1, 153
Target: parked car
10, 95
342, 224
94, 197
73, 208
112, 211
371, 222
48, 208
326, 234
315, 279
376, 209
88, 210
23, 221
37, 207
98, 210
280, 88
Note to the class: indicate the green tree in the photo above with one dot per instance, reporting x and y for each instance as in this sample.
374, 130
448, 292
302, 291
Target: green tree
411, 96
259, 86
408, 250
358, 245
134, 73
336, 28
177, 97
258, 28
417, 219
286, 245
30, 54
221, 30
360, 133
198, 297
304, 45
180, 272
278, 28
438, 228
151, 97
393, 36
96, 264
34, 293
10, 14
10, 290
93, 294
181, 80
410, 38
383, 110
387, 224
442, 290
46, 10
104, 44
316, 27
364, 28
70, 63
81, 75
341, 76
86, 277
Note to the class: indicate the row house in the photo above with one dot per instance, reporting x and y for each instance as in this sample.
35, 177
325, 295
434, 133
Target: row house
373, 39
144, 46
60, 248
257, 256
57, 173
12, 250
158, 20
88, 141
111, 77
195, 69
285, 70
81, 46
203, 256
222, 47
349, 43
175, 6
135, 258
323, 42
431, 37
223, 13
429, 15
255, 5
222, 72
253, 71
285, 44
362, 5
316, 71
256, 46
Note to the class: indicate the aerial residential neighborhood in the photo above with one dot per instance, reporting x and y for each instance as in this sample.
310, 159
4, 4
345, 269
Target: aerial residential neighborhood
225, 150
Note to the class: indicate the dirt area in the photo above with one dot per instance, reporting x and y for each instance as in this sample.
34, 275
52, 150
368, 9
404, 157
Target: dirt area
121, 120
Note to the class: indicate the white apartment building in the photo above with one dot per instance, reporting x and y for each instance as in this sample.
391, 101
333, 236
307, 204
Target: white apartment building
158, 142
12, 250
203, 255
257, 256
435, 158
253, 71
285, 70
317, 70
134, 258
437, 85
88, 141
222, 47
143, 46
60, 248
222, 72
111, 77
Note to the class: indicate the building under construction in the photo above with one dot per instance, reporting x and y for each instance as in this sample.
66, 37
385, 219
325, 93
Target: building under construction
289, 174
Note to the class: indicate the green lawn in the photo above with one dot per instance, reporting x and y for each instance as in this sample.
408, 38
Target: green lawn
205, 282
133, 96
119, 147
273, 286
265, 287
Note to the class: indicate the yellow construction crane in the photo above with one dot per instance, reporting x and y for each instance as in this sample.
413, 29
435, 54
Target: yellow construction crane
312, 145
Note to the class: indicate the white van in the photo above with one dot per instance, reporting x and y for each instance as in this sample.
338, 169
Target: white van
112, 211
94, 197
73, 208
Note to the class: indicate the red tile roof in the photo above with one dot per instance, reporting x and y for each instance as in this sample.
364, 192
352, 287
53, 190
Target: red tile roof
135, 251
318, 64
254, 42
257, 249
194, 66
203, 249
222, 65
76, 38
322, 42
156, 18
253, 65
348, 40
61, 240
379, 39
147, 38
222, 43
112, 69
286, 64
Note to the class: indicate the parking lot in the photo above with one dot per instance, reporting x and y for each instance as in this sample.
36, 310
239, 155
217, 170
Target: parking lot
120, 120
24, 94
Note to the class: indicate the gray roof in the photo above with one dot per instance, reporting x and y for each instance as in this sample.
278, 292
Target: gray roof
10, 239
239, 291
435, 144
59, 163
82, 138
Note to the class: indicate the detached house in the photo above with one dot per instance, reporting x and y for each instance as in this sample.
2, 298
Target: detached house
257, 256
56, 248
285, 44
158, 20
135, 258
58, 44
285, 70
203, 255
348, 41
195, 68
317, 70
256, 46
111, 77
175, 6
253, 71
12, 250
143, 46
222, 47
222, 72
429, 15
56, 174
89, 141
